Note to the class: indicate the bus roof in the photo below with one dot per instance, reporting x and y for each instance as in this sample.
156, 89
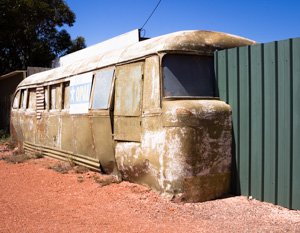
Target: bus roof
205, 42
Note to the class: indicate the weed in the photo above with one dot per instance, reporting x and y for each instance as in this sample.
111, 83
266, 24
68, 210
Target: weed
38, 155
5, 139
80, 169
104, 180
61, 168
71, 162
16, 158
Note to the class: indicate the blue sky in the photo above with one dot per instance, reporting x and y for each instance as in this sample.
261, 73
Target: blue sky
262, 21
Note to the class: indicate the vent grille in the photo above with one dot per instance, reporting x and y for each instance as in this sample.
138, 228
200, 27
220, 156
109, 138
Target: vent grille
40, 101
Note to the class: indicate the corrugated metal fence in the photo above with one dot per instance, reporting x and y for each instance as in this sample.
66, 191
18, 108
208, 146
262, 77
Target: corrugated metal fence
262, 85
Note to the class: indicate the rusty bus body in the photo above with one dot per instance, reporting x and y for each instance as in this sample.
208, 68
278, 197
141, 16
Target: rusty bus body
147, 112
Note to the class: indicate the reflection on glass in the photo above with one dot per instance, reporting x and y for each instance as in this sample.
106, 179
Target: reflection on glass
188, 75
102, 87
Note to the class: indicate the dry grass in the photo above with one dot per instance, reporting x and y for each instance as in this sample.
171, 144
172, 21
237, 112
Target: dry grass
69, 166
6, 140
104, 180
62, 168
80, 169
16, 158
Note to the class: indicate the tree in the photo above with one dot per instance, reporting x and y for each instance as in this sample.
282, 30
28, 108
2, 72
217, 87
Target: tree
31, 33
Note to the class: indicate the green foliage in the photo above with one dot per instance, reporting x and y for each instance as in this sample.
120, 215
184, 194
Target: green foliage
30, 33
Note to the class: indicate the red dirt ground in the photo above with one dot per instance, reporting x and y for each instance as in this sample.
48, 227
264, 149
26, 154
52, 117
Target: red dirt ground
34, 198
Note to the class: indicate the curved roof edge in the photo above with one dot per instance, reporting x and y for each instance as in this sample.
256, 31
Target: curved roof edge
194, 40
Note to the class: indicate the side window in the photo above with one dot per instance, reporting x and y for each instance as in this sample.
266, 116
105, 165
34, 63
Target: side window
102, 88
31, 99
23, 100
66, 95
46, 97
16, 100
188, 75
80, 93
55, 97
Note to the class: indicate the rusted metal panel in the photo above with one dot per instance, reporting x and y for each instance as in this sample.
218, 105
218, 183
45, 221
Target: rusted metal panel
128, 102
151, 91
185, 152
67, 133
52, 130
83, 137
128, 90
103, 142
41, 130
127, 128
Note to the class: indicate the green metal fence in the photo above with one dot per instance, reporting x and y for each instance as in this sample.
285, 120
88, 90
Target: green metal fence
262, 85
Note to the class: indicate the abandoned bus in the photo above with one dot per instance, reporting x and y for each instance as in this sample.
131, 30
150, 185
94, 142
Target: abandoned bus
147, 112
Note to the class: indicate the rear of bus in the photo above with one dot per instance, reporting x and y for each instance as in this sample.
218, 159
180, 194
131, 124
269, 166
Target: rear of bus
198, 129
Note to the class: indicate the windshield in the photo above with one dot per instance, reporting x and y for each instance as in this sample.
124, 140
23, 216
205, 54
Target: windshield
188, 75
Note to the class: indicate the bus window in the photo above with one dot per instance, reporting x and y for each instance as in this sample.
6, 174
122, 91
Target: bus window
55, 98
16, 100
23, 100
188, 75
46, 98
66, 95
32, 99
102, 88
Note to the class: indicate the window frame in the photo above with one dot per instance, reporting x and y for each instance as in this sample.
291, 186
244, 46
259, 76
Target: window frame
110, 92
58, 89
14, 99
23, 99
162, 56
28, 107
63, 96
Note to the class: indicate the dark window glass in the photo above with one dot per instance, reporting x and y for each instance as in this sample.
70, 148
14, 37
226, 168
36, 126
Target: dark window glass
188, 75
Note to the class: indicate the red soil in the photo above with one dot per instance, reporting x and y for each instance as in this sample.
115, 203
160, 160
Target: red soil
34, 198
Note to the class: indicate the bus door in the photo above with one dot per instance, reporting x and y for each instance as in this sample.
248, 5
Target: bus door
128, 102
100, 118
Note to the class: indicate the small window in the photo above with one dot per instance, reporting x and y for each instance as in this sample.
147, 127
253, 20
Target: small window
55, 100
32, 99
188, 75
80, 93
66, 95
102, 88
46, 98
23, 100
16, 100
